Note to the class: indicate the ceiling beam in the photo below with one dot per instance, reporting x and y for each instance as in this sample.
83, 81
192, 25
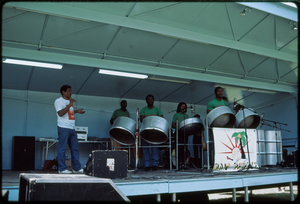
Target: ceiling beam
142, 69
72, 10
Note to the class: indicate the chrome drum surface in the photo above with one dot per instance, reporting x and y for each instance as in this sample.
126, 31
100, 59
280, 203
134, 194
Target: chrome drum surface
154, 129
221, 116
123, 130
251, 119
190, 126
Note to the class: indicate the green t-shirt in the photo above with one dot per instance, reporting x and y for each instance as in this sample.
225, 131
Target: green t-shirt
180, 117
154, 111
118, 113
215, 103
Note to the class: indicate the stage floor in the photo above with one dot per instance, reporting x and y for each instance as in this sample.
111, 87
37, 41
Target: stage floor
162, 181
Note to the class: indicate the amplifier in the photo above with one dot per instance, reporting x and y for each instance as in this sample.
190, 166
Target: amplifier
81, 132
107, 164
68, 187
292, 159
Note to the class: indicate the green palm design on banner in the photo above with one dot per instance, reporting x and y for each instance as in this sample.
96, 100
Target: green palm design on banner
238, 136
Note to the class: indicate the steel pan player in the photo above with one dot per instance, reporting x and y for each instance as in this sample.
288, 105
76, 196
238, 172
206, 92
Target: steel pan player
217, 101
117, 113
180, 115
150, 110
214, 103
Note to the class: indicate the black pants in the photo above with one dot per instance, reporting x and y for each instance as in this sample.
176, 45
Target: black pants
182, 139
197, 150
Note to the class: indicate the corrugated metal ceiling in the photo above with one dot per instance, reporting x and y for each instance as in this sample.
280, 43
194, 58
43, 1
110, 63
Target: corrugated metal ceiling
204, 43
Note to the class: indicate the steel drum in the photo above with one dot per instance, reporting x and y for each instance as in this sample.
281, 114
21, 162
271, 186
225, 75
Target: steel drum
273, 144
251, 119
123, 130
261, 148
190, 126
221, 116
154, 130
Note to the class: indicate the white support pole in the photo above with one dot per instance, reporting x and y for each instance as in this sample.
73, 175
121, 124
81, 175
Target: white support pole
246, 199
174, 197
158, 198
234, 195
291, 192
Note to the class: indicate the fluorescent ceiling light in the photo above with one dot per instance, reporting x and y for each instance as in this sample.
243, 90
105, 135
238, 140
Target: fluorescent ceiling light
32, 63
124, 74
245, 89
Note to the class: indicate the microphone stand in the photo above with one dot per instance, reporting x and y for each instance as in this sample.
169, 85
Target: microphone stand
137, 139
243, 156
274, 124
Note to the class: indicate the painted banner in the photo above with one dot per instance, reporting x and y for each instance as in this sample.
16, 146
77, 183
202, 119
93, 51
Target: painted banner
231, 149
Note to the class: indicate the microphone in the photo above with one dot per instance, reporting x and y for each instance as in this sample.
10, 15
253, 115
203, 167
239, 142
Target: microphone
234, 103
261, 119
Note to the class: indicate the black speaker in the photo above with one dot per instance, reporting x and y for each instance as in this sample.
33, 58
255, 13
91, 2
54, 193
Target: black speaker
68, 187
5, 193
23, 153
107, 164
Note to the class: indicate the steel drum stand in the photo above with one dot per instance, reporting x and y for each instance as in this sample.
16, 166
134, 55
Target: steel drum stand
177, 145
275, 129
124, 146
138, 144
136, 139
184, 145
177, 162
243, 153
177, 135
207, 141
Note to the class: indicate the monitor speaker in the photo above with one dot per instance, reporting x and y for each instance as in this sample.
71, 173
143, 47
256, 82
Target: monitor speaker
23, 153
107, 164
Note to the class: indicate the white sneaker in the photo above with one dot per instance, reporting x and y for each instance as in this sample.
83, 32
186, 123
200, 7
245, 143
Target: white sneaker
65, 171
80, 171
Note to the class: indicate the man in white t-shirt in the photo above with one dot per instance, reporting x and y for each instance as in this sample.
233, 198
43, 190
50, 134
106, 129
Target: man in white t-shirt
66, 131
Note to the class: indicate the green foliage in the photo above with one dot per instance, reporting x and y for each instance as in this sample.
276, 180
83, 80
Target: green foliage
238, 136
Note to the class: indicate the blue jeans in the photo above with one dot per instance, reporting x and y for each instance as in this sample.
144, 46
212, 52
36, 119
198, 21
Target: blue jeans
155, 154
67, 137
